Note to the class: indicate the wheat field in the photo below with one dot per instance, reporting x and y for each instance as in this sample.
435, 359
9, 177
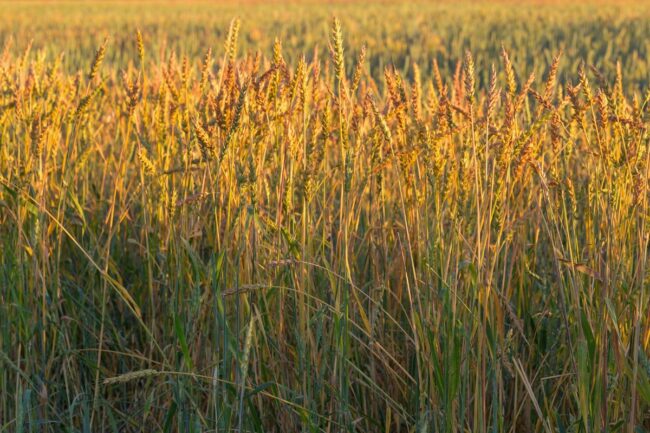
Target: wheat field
339, 217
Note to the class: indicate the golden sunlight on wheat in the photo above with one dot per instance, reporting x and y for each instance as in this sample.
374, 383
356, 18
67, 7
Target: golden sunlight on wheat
399, 231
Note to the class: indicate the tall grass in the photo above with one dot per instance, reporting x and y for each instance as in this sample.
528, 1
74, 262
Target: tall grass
242, 242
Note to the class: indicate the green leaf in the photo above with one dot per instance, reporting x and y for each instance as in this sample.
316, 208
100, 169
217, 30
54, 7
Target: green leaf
180, 334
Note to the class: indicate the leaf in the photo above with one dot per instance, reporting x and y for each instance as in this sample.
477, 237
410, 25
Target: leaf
180, 334
259, 388
582, 268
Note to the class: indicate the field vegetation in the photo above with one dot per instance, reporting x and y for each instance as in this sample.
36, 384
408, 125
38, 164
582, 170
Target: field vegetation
417, 218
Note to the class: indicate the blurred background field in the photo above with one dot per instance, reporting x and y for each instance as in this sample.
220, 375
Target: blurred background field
398, 33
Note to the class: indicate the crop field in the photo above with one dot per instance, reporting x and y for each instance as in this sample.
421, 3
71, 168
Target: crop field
329, 217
